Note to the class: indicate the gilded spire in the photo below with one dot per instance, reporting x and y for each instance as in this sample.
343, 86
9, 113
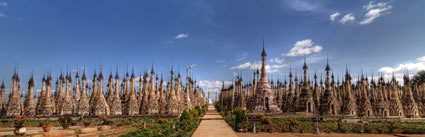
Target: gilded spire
116, 74
305, 64
77, 76
31, 81
328, 68
152, 71
2, 84
84, 73
263, 54
100, 76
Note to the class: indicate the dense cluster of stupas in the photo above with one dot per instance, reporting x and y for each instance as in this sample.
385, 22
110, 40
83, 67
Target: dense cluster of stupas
374, 98
152, 98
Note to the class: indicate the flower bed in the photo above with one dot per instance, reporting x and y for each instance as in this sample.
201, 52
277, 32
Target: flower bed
157, 128
301, 125
182, 127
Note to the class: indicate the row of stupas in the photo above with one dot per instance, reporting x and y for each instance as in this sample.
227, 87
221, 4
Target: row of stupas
374, 98
153, 96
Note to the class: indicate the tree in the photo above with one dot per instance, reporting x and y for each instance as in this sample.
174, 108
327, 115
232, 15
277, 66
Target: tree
419, 77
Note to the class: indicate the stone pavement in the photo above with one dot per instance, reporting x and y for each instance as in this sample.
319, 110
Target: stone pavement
213, 125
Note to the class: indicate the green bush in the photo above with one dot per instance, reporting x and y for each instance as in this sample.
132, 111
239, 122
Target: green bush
240, 118
198, 108
391, 127
184, 127
219, 107
413, 131
162, 120
357, 129
205, 108
186, 115
161, 131
226, 112
266, 120
186, 119
182, 134
195, 113
293, 123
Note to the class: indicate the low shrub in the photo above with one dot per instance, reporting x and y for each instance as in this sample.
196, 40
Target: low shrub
195, 113
198, 108
413, 131
391, 127
162, 120
161, 131
205, 108
104, 120
266, 120
186, 119
293, 122
357, 129
65, 121
240, 118
219, 107
186, 115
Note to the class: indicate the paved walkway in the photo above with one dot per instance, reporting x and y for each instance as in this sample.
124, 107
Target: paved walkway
213, 125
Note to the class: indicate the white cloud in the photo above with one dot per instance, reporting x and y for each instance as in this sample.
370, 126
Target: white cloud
411, 67
374, 11
213, 85
3, 4
2, 14
315, 59
235, 74
182, 35
421, 59
371, 5
257, 65
399, 70
277, 60
349, 18
278, 66
272, 70
220, 61
304, 47
80, 69
242, 66
334, 16
304, 5
242, 56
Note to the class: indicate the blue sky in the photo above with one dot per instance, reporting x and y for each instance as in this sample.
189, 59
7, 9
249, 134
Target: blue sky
222, 37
